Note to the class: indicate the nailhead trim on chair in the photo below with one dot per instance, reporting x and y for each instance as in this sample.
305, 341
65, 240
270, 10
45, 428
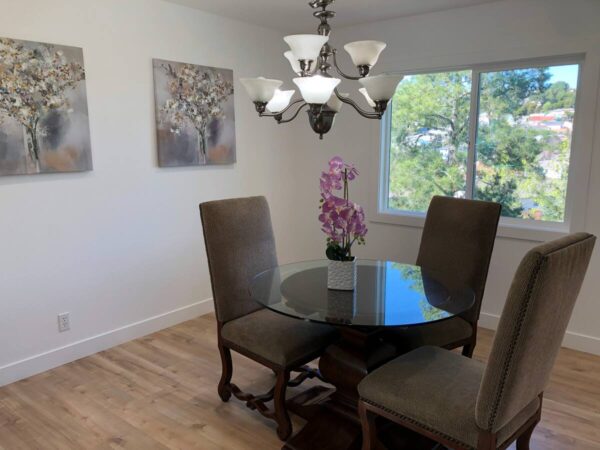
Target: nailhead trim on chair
419, 424
513, 343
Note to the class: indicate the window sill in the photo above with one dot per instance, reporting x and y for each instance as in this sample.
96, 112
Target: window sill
536, 232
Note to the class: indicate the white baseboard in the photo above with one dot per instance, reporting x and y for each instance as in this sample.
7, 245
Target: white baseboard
573, 340
58, 356
62, 355
489, 321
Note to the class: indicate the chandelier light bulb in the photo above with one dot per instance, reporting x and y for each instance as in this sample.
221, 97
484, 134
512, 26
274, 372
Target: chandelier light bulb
280, 101
365, 53
289, 55
381, 87
293, 61
316, 90
369, 100
334, 103
260, 89
306, 46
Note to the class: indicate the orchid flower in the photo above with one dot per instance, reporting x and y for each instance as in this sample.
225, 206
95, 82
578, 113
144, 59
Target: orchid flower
342, 220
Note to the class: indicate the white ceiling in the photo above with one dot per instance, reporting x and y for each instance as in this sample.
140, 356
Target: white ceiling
296, 15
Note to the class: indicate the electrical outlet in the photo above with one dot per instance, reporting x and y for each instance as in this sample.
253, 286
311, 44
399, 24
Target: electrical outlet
64, 323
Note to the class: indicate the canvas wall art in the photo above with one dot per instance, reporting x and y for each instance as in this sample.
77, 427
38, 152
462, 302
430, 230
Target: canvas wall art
44, 124
195, 118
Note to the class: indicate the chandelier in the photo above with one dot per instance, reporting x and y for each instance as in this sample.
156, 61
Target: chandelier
312, 58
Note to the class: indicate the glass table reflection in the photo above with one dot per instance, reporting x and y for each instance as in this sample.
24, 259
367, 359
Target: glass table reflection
387, 294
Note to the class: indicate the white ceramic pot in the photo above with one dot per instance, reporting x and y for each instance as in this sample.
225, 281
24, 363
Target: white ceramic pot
341, 275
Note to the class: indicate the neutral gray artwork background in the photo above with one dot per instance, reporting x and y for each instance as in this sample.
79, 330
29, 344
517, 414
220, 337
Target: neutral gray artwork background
44, 124
195, 118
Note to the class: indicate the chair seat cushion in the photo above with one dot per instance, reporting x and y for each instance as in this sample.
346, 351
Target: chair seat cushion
444, 333
437, 389
278, 339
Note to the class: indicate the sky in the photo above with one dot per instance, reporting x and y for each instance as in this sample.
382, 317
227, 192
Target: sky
565, 73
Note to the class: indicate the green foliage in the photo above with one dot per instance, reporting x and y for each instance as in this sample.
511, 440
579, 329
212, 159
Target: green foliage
502, 190
558, 96
504, 92
421, 166
549, 193
501, 144
335, 252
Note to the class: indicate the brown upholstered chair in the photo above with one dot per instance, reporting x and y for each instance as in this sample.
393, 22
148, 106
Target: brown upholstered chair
463, 404
240, 244
456, 247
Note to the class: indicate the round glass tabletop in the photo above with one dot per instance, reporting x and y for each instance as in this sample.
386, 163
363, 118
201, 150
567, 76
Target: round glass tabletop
387, 294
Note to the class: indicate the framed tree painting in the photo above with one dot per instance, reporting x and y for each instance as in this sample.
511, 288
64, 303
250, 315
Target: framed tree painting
195, 118
44, 124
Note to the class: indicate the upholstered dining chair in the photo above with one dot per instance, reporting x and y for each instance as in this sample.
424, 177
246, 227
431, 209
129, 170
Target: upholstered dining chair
239, 244
456, 247
460, 402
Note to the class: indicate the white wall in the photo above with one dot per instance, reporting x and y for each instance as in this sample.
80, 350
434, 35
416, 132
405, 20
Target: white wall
123, 243
501, 31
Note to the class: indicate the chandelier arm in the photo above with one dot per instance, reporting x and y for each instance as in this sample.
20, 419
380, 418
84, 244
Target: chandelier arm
339, 71
282, 112
280, 118
359, 110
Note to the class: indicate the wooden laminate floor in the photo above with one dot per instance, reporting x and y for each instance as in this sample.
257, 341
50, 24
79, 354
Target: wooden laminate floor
159, 392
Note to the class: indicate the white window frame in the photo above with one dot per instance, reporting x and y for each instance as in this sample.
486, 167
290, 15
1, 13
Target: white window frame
509, 227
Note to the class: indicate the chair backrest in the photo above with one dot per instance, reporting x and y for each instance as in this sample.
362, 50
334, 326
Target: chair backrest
457, 244
239, 244
532, 327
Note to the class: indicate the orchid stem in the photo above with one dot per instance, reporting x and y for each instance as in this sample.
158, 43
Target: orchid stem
346, 197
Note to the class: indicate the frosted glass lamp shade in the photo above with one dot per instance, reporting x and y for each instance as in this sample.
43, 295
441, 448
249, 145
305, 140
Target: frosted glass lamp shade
280, 101
296, 64
335, 103
370, 101
293, 61
365, 53
316, 90
381, 87
260, 89
306, 46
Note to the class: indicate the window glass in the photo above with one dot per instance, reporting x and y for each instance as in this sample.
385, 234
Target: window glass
525, 123
429, 139
522, 149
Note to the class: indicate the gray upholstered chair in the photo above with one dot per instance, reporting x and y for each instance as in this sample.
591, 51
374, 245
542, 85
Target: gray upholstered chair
456, 247
240, 244
463, 404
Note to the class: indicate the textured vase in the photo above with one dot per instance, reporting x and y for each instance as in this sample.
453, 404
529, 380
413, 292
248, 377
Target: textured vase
341, 275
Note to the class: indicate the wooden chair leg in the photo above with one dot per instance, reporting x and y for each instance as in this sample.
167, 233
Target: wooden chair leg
486, 441
468, 350
224, 388
470, 347
524, 440
369, 429
284, 424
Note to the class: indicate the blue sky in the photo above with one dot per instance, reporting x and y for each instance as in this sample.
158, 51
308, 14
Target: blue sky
565, 73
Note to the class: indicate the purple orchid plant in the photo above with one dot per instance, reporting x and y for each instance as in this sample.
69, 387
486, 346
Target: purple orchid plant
343, 221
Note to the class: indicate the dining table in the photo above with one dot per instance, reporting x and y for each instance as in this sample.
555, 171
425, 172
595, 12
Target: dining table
387, 294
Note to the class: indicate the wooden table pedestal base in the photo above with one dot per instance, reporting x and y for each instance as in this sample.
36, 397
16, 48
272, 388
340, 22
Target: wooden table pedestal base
331, 414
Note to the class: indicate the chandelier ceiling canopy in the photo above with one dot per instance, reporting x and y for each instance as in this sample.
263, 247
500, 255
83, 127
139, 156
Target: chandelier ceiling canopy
312, 58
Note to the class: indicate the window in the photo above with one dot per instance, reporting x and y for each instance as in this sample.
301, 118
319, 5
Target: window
500, 134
